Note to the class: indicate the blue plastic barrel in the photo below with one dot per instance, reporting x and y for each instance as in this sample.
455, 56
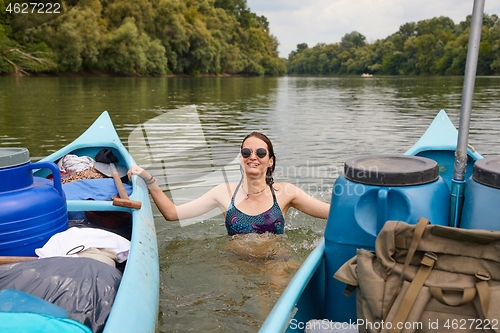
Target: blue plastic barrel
481, 207
373, 190
32, 209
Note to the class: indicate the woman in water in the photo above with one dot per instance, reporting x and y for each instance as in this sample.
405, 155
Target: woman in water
254, 205
254, 211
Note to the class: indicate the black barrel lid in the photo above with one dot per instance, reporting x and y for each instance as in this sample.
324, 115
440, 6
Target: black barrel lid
487, 171
391, 170
10, 157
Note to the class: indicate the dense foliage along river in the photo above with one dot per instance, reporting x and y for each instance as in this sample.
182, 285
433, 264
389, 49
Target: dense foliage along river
193, 126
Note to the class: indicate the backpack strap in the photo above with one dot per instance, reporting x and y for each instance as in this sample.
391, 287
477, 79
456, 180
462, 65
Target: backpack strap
483, 290
417, 236
411, 294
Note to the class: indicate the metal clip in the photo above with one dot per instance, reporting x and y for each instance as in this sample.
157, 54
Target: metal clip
349, 290
431, 255
483, 275
429, 259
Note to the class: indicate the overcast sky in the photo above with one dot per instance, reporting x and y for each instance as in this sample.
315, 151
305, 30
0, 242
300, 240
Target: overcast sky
327, 21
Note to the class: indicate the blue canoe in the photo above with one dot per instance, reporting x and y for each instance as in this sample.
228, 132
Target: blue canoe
135, 308
306, 297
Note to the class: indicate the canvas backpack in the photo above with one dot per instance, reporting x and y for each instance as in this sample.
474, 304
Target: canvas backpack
427, 278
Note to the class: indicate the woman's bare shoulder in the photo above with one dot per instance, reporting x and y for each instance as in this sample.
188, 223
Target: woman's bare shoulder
285, 184
224, 188
286, 188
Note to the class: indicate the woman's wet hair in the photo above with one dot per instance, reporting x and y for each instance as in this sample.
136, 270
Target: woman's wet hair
270, 149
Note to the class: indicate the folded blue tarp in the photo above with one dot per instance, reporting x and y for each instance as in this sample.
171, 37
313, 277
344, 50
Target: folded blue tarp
93, 189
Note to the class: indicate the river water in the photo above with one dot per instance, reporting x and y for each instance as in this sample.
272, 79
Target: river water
187, 131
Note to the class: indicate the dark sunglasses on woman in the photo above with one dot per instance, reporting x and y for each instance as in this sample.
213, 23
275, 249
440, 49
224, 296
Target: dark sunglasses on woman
260, 153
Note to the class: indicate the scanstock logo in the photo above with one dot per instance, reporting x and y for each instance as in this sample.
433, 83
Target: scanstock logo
185, 160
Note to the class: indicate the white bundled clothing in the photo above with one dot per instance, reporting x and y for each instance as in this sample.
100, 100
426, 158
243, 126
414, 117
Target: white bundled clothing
73, 163
75, 240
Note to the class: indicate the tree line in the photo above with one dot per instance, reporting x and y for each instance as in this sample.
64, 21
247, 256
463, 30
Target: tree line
156, 37
435, 46
141, 37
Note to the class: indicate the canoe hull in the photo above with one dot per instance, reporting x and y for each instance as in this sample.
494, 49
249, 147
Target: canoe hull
135, 308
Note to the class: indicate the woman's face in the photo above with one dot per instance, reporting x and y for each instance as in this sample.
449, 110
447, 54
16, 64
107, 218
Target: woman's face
253, 165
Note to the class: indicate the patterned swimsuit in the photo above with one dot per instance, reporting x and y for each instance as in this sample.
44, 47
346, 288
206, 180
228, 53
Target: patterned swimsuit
271, 220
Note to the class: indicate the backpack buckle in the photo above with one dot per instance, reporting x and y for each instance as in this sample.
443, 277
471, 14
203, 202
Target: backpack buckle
483, 276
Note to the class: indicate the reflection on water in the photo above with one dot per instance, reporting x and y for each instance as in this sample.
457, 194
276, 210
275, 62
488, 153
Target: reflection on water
209, 281
43, 113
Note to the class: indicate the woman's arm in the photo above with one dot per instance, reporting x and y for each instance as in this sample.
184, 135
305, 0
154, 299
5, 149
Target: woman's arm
306, 203
168, 209
194, 208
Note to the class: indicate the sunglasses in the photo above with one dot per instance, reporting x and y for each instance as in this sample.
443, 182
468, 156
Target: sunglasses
260, 153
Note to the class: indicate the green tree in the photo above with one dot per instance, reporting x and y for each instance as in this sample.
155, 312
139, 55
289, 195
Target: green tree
352, 40
457, 51
434, 46
116, 11
172, 30
392, 63
151, 37
495, 47
33, 56
127, 51
435, 26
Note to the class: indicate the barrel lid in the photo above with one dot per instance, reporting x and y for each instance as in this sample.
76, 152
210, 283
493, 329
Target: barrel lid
487, 171
10, 157
391, 170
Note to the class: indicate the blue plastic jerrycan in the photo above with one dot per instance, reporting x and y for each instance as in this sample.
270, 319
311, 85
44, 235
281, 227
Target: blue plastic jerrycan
32, 209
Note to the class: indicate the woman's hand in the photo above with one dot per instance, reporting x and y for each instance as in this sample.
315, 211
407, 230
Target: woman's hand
137, 170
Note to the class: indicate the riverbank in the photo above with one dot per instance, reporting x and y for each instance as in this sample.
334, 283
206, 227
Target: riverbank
110, 74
